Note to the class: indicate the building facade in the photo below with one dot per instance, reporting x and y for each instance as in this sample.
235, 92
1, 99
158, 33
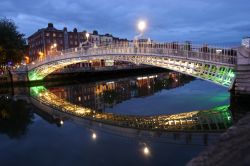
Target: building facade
49, 39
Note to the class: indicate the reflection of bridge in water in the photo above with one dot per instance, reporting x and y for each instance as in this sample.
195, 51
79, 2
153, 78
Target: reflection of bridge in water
217, 119
106, 94
144, 137
95, 128
66, 102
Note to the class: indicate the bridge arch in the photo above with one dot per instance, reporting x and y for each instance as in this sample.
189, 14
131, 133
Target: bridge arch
212, 67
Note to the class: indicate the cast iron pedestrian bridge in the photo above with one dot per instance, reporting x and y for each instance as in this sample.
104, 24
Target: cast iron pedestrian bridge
212, 64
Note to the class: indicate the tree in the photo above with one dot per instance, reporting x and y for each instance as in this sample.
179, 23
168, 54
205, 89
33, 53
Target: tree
12, 42
15, 117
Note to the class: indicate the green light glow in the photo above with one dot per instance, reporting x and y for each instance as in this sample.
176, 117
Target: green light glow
34, 76
220, 97
36, 90
221, 75
221, 116
231, 74
221, 108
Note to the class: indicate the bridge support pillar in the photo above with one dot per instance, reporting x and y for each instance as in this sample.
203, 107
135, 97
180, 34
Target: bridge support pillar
242, 79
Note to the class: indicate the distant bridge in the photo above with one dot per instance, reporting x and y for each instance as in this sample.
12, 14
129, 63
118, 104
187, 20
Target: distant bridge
212, 64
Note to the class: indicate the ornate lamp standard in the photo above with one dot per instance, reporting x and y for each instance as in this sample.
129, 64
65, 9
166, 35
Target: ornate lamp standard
141, 26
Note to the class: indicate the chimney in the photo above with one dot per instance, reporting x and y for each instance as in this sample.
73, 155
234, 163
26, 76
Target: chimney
50, 25
95, 32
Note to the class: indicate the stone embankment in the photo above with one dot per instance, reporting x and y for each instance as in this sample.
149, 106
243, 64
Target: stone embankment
233, 147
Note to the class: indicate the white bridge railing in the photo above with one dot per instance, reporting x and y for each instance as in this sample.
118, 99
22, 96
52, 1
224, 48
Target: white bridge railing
226, 57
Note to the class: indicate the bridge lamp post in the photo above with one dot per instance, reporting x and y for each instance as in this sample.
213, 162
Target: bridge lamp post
87, 36
141, 27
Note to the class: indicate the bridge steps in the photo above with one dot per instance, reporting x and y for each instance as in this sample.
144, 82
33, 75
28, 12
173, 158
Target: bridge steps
246, 85
242, 87
242, 81
243, 77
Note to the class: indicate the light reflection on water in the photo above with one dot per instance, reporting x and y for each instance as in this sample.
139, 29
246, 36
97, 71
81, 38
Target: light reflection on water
70, 140
110, 92
145, 95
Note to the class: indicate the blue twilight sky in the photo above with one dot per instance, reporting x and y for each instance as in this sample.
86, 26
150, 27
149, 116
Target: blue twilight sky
212, 21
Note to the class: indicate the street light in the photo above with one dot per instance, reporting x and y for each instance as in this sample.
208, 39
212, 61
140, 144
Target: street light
53, 48
87, 36
41, 55
27, 59
141, 26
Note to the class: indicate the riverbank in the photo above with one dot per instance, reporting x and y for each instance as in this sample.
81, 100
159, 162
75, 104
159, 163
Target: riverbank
233, 146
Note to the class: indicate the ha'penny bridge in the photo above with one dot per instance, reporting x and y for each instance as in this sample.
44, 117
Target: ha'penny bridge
226, 67
218, 65
217, 68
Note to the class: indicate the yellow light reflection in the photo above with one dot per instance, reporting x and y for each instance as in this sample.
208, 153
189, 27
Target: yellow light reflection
94, 136
146, 151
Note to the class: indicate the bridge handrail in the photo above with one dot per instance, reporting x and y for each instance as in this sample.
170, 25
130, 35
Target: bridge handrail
217, 55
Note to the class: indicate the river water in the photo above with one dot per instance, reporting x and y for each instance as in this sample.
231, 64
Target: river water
33, 134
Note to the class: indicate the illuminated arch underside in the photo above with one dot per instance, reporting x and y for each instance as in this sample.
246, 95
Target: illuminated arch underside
216, 73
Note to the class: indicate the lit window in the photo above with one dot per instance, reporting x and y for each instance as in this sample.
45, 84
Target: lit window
47, 34
54, 35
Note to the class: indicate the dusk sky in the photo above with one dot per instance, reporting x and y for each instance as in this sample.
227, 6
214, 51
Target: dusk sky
214, 21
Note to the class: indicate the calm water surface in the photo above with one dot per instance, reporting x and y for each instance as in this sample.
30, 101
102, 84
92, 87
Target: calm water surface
31, 136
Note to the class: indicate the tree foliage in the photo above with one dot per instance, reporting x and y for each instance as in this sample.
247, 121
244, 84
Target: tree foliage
12, 42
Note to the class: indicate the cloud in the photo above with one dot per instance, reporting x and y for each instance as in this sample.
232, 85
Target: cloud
207, 20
